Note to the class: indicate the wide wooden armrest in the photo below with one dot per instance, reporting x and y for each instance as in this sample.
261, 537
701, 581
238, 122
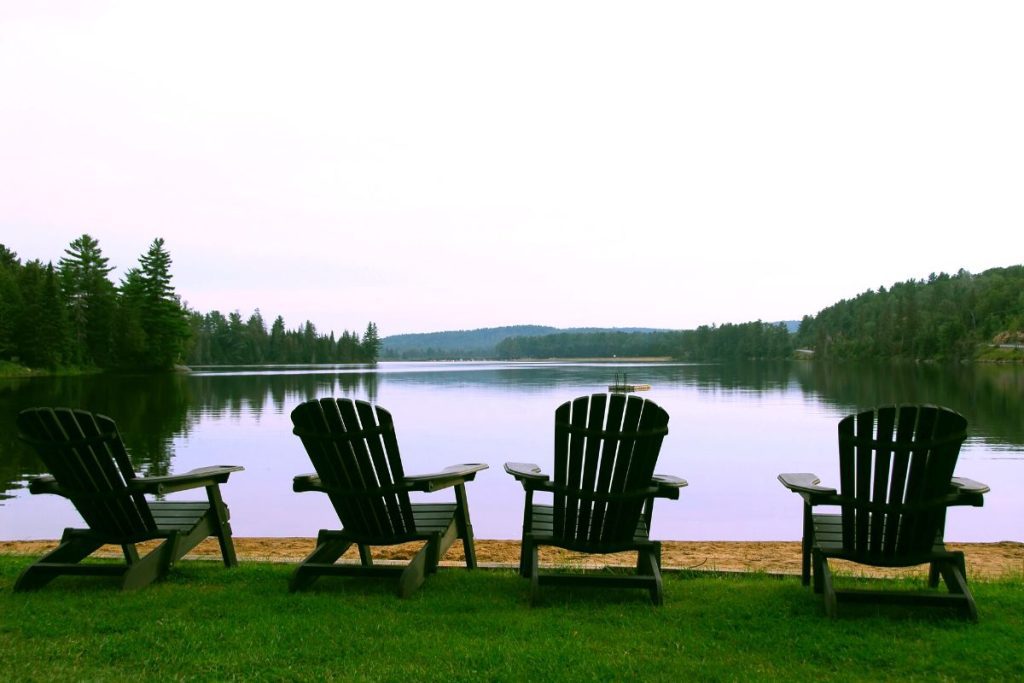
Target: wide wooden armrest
449, 476
45, 483
965, 485
525, 471
307, 482
805, 482
669, 481
199, 477
668, 486
967, 492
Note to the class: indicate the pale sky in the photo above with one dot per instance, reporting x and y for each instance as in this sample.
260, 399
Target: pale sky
454, 165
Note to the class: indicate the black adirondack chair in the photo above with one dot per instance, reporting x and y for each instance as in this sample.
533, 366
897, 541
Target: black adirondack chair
603, 490
89, 465
896, 483
354, 450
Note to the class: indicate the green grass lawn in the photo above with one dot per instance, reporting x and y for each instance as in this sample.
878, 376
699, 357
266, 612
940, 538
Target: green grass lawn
206, 622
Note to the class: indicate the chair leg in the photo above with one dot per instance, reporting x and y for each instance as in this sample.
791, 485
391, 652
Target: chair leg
822, 572
817, 574
649, 564
131, 553
954, 574
526, 551
805, 546
465, 527
72, 550
444, 542
365, 555
416, 572
153, 566
534, 574
524, 546
328, 549
934, 572
221, 526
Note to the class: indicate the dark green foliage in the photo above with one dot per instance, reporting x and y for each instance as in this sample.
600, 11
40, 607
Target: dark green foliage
753, 340
728, 342
370, 344
130, 339
945, 316
91, 302
216, 340
474, 344
40, 327
10, 301
478, 343
75, 317
160, 310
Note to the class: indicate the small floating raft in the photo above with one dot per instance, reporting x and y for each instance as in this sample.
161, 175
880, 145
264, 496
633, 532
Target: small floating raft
624, 387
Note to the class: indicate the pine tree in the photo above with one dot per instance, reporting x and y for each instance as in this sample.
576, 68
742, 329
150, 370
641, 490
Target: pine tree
90, 298
370, 344
162, 315
278, 351
130, 339
256, 339
41, 331
307, 342
10, 301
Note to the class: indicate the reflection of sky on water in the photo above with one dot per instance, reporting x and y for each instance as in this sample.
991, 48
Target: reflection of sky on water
731, 433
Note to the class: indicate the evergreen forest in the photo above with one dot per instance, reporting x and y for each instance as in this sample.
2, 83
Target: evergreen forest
955, 317
73, 317
753, 340
478, 344
943, 317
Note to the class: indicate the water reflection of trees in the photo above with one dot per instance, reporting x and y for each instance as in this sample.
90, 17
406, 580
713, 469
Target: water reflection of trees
238, 394
991, 397
596, 377
151, 411
746, 377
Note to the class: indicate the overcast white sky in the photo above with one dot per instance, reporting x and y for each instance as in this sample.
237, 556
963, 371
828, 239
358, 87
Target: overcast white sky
453, 165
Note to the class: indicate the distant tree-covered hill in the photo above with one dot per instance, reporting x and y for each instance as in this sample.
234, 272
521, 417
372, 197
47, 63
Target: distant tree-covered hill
745, 340
469, 344
943, 317
753, 340
961, 316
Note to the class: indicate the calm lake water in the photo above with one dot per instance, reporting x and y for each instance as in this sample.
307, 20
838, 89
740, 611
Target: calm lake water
733, 429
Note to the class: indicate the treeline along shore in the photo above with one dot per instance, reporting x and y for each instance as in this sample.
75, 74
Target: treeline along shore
72, 318
944, 317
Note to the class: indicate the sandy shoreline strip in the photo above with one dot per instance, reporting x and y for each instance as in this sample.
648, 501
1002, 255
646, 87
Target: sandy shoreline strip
984, 560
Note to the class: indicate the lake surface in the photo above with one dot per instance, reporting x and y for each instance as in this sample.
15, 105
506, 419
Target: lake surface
733, 428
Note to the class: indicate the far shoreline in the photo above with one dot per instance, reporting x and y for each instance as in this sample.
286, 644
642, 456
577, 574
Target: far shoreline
9, 370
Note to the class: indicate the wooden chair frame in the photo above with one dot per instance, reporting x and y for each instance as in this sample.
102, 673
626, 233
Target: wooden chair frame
603, 490
896, 467
353, 447
89, 466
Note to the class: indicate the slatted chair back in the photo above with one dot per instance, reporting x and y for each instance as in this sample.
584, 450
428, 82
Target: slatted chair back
606, 447
85, 455
895, 468
354, 450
